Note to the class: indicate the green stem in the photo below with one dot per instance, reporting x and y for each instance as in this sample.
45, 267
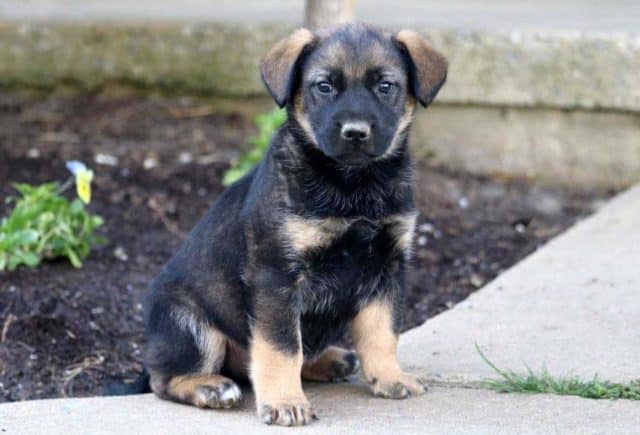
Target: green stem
67, 184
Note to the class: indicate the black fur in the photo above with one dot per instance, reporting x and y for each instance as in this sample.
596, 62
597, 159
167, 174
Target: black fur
139, 386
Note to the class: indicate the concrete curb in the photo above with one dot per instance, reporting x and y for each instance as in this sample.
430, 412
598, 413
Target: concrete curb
213, 59
577, 148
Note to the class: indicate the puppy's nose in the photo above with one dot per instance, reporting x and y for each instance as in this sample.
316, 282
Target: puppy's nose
355, 131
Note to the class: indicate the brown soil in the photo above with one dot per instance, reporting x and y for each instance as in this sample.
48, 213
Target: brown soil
68, 331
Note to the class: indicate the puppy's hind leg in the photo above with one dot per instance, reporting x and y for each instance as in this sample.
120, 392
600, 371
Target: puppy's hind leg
203, 391
333, 365
185, 358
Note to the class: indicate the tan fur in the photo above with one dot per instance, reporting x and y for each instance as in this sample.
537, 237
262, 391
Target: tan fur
211, 342
337, 55
404, 229
275, 375
334, 55
304, 234
277, 64
277, 383
403, 124
302, 118
376, 344
323, 367
430, 65
375, 341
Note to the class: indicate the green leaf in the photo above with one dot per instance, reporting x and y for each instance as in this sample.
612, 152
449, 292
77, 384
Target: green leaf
234, 174
30, 259
77, 207
24, 237
96, 221
267, 124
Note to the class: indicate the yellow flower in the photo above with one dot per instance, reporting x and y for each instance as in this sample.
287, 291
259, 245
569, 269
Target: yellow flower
83, 177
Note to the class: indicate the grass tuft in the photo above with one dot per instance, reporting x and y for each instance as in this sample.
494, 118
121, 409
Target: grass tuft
543, 382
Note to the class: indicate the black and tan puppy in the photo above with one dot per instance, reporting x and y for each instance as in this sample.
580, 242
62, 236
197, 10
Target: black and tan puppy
311, 243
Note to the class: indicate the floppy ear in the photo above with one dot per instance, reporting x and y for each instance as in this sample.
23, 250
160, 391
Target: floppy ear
278, 68
427, 67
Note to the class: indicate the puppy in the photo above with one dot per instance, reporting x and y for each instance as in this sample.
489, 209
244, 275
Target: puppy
312, 243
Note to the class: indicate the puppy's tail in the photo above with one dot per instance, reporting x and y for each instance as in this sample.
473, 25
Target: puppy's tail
138, 386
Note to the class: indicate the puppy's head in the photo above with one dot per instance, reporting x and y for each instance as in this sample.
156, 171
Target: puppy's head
353, 89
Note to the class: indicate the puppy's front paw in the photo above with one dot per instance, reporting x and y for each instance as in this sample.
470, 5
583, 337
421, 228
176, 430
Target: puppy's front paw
286, 414
401, 387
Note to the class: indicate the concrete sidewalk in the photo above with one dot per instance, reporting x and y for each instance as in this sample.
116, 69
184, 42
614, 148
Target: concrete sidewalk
341, 409
573, 306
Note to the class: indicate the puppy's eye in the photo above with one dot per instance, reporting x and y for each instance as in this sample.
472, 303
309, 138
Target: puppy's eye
324, 87
385, 87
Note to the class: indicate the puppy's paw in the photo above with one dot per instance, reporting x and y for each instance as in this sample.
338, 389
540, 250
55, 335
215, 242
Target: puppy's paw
224, 395
286, 414
402, 387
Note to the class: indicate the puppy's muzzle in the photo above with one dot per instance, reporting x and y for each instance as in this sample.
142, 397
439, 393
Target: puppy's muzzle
356, 142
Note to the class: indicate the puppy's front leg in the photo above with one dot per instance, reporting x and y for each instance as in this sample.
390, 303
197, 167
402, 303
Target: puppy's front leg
276, 364
376, 342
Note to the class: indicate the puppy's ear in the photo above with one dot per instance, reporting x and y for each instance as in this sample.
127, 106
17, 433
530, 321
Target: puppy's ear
278, 68
427, 67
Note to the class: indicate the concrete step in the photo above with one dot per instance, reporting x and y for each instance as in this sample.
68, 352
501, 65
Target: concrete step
341, 409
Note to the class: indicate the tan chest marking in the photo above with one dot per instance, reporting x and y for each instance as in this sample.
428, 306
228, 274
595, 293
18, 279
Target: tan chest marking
304, 234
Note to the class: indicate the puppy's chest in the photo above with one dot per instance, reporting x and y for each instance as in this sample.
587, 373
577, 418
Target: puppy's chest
339, 255
322, 238
339, 260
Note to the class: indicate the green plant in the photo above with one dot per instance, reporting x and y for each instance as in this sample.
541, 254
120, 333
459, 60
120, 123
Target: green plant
46, 225
268, 124
511, 382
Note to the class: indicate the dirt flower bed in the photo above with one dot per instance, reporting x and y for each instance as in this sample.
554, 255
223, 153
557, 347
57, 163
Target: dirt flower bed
158, 165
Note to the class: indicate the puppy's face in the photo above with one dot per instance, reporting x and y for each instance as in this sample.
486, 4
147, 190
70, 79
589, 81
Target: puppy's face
353, 90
